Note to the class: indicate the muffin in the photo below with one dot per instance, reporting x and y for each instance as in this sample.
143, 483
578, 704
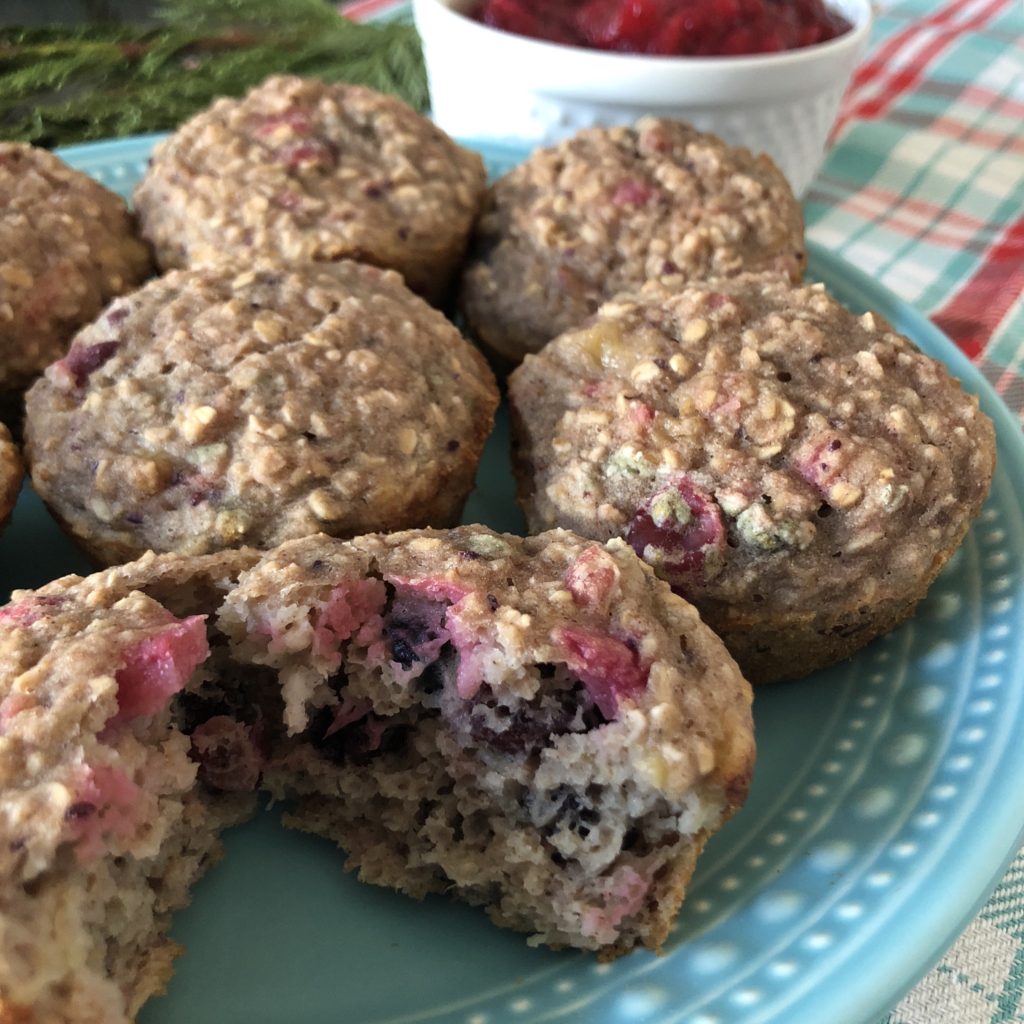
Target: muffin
103, 828
214, 409
301, 170
799, 473
11, 472
611, 208
67, 247
538, 726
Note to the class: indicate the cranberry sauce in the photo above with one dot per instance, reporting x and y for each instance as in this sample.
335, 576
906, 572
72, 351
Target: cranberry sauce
678, 28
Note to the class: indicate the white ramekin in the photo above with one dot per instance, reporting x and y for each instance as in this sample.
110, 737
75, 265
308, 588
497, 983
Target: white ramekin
498, 87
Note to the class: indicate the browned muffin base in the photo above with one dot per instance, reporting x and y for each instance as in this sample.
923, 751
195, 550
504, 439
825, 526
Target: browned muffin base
771, 649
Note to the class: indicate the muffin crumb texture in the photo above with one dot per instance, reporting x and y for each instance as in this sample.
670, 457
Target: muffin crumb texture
67, 246
299, 170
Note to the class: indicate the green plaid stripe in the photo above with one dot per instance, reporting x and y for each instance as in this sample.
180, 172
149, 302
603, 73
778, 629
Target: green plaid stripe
929, 195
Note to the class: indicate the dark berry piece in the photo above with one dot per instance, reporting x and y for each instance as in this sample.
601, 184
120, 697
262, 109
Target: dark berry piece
84, 360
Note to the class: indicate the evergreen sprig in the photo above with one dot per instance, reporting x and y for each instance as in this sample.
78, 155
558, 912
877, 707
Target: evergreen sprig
60, 85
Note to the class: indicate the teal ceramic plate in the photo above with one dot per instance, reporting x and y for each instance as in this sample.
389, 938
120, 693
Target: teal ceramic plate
887, 802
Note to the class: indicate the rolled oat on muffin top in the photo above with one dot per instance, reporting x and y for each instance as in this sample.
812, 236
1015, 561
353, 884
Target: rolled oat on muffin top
798, 472
610, 208
304, 170
214, 409
67, 247
11, 473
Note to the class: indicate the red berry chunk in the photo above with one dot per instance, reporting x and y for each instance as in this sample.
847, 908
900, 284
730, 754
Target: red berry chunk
105, 804
591, 578
83, 360
624, 895
668, 27
155, 669
296, 122
679, 531
307, 153
641, 414
632, 192
820, 465
434, 587
32, 609
293, 141
609, 668
349, 605
348, 711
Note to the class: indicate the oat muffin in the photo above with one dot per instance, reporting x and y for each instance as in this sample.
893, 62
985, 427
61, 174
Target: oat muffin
538, 726
67, 246
611, 208
103, 827
212, 409
300, 170
11, 472
799, 473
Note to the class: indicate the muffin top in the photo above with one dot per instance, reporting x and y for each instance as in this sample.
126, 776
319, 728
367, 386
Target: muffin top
67, 246
752, 439
611, 208
215, 409
304, 170
519, 612
11, 472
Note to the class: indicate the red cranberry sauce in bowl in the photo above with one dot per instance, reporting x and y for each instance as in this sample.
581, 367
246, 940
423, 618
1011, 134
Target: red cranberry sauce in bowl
678, 28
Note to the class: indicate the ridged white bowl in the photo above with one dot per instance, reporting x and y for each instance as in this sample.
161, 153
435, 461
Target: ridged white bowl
495, 86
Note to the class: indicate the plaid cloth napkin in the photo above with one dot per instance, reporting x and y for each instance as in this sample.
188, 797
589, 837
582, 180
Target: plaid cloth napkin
924, 186
924, 189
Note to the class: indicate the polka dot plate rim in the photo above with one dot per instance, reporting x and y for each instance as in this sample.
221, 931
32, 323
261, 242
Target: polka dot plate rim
885, 807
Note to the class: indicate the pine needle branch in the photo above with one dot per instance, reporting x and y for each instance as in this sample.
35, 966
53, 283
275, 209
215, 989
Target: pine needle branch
61, 85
